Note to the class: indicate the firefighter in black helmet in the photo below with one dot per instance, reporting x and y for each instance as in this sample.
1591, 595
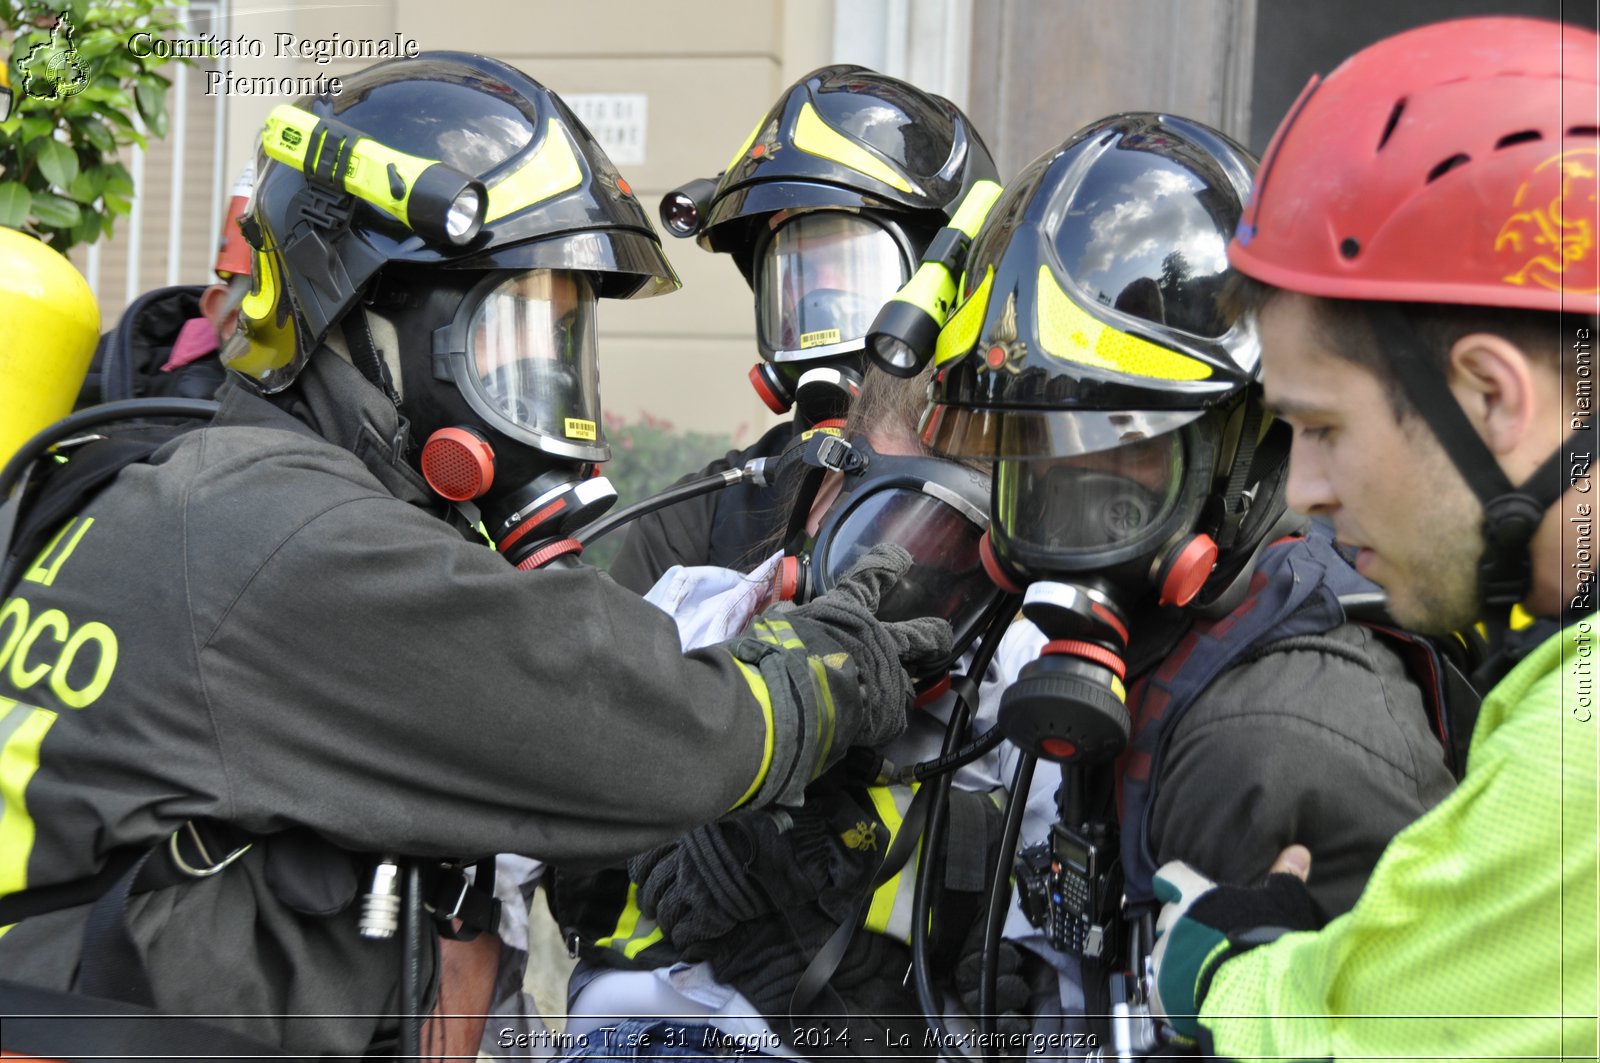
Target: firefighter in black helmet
826, 209
273, 670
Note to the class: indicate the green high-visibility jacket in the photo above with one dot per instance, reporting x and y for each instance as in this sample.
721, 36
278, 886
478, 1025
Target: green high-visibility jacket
1475, 937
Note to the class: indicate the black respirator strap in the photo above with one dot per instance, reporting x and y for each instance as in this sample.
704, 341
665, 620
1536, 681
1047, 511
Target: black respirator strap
365, 354
811, 456
1511, 515
1235, 504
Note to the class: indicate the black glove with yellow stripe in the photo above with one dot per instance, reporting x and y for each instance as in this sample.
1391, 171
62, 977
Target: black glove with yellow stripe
881, 651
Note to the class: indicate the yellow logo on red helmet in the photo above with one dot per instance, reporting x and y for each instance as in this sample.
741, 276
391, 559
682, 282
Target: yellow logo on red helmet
1550, 238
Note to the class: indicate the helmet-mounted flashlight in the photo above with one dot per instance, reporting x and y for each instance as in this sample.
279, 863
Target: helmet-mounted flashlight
438, 202
683, 210
905, 331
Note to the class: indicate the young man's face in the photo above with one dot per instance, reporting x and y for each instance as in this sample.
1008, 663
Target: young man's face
1386, 485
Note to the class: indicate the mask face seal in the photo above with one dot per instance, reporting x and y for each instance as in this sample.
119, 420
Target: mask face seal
933, 508
1110, 512
819, 282
521, 351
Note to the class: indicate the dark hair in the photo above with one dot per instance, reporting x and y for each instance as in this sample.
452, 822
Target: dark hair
1345, 327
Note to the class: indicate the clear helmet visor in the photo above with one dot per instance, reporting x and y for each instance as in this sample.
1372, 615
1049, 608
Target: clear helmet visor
820, 282
531, 355
1090, 504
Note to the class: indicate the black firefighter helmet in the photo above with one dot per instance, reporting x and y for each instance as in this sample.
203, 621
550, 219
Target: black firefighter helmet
465, 204
830, 201
1091, 353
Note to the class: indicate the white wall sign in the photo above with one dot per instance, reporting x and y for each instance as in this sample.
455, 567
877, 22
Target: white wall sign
617, 120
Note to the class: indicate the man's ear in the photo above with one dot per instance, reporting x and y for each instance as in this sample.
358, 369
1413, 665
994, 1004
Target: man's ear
212, 301
1502, 390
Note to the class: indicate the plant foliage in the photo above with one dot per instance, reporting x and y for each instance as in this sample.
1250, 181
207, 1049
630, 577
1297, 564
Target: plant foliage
74, 105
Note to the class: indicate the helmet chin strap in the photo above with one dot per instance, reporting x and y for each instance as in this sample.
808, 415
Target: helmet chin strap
1511, 515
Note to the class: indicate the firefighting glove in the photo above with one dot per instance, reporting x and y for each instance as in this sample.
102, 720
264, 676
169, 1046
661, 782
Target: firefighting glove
739, 869
1016, 980
1204, 925
882, 652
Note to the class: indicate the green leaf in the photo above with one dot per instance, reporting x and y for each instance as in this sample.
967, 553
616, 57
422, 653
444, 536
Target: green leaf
97, 133
16, 203
152, 96
58, 162
85, 188
117, 179
113, 96
37, 126
87, 231
55, 211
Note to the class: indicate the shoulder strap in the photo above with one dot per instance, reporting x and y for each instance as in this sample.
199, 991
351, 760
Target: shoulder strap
1450, 698
1293, 592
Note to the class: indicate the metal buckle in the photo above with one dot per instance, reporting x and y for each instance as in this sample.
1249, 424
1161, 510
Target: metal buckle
455, 909
200, 846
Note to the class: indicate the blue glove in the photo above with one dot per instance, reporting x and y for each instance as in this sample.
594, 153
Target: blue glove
1203, 925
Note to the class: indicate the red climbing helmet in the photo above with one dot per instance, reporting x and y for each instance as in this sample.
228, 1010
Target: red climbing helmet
1454, 163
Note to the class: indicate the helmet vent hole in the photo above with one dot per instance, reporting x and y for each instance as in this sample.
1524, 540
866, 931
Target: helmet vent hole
1584, 131
1447, 165
1394, 120
1349, 247
1513, 139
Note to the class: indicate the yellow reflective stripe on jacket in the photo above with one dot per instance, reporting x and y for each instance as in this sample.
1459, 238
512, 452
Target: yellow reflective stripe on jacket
634, 932
758, 687
830, 715
22, 731
891, 908
778, 633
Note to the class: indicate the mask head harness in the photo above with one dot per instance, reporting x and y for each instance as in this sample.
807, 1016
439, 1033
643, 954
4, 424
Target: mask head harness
936, 509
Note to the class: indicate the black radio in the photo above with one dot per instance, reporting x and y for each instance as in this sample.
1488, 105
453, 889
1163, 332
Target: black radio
1071, 888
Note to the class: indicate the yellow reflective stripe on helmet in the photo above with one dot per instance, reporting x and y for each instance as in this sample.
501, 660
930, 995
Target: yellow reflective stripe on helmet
758, 687
813, 135
826, 725
1070, 333
960, 333
751, 139
552, 170
882, 916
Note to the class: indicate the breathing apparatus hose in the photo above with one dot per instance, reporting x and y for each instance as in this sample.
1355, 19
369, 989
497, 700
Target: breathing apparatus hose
71, 425
932, 841
948, 761
411, 965
966, 691
1021, 781
750, 472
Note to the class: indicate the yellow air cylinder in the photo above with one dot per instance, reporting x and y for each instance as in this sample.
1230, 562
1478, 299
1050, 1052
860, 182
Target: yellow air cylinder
49, 325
